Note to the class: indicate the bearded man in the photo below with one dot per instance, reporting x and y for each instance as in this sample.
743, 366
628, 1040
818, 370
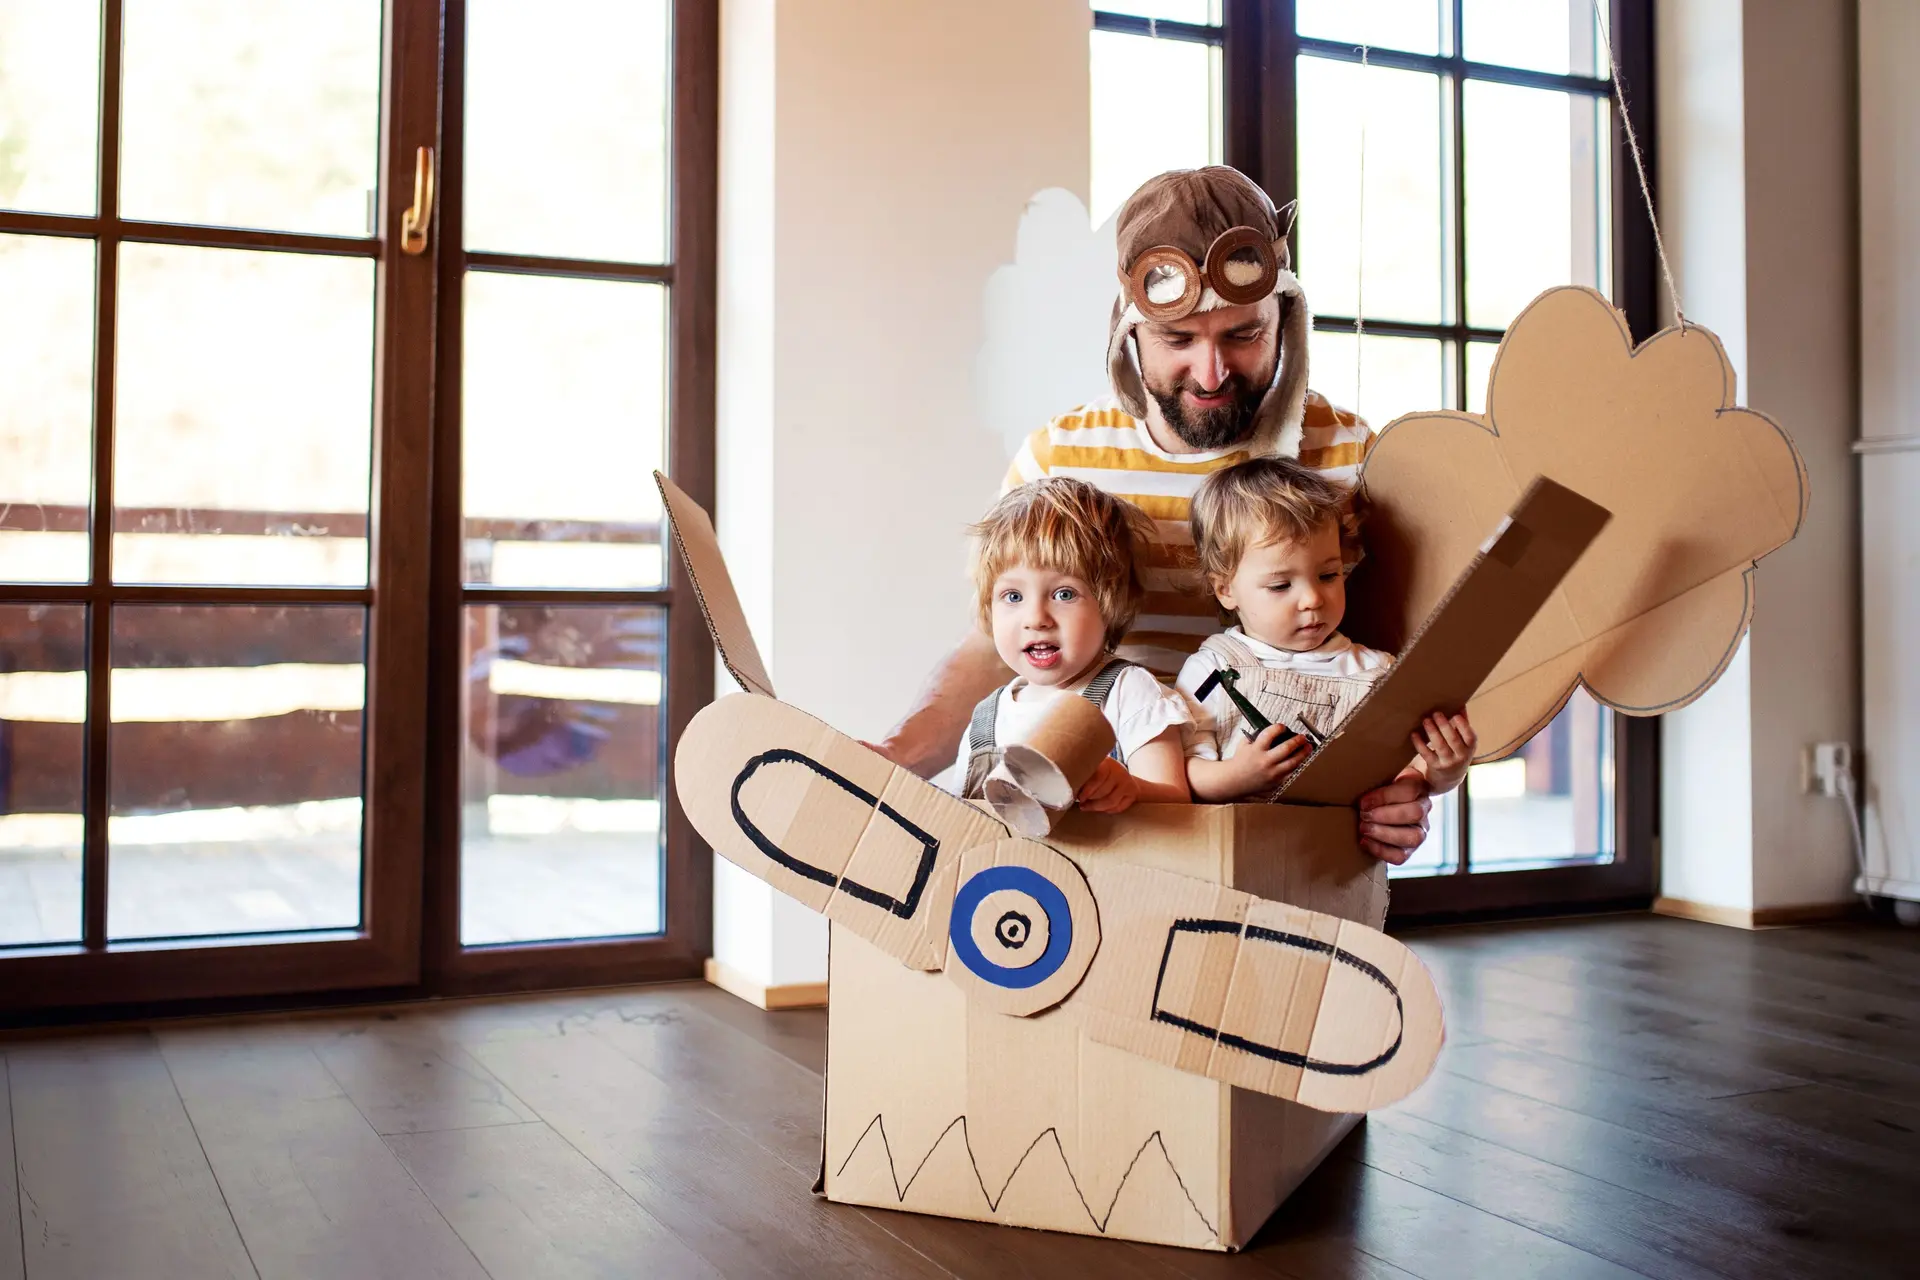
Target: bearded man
1207, 358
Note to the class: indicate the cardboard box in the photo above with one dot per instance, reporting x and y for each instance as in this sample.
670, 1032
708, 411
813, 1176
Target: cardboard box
1154, 1025
938, 1107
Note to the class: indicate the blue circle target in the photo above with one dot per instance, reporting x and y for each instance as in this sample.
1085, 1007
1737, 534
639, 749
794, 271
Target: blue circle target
1046, 895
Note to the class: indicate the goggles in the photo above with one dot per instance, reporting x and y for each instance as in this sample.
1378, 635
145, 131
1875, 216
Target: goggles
1242, 266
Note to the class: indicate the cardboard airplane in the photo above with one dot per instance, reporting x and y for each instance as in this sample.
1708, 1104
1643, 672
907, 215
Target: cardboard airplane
1155, 1024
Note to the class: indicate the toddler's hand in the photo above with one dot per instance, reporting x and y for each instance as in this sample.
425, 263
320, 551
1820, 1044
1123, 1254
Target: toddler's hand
1260, 765
1111, 789
1446, 746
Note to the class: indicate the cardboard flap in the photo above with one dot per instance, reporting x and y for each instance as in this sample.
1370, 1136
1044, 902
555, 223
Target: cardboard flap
1700, 489
1515, 572
713, 587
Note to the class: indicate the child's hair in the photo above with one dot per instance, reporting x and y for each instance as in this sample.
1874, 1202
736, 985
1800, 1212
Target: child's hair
1264, 500
1067, 526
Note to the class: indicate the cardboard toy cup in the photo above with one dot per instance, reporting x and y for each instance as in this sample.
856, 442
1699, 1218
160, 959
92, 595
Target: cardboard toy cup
1039, 775
1154, 1025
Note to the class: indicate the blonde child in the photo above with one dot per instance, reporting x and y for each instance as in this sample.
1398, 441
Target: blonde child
1054, 568
1275, 541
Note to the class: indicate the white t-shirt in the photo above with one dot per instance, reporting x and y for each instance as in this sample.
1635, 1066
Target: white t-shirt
1138, 707
1337, 656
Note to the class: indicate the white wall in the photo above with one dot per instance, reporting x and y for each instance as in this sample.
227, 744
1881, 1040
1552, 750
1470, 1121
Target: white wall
875, 161
1890, 410
1756, 109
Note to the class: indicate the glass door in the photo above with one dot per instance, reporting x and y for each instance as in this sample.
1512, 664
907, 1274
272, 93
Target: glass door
213, 403
575, 265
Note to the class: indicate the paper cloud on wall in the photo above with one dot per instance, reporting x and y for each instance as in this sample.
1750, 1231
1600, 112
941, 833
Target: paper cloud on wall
1700, 489
1046, 312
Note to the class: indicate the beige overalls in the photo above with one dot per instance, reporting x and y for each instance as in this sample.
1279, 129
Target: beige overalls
1316, 705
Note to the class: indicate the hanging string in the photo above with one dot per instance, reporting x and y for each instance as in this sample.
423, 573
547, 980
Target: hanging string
1639, 165
1360, 247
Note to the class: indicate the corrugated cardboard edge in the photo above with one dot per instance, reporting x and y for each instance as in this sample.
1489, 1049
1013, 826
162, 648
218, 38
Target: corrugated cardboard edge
826, 1075
1540, 490
713, 588
1493, 749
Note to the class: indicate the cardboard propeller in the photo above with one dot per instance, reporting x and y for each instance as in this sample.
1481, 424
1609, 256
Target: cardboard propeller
1205, 978
1699, 487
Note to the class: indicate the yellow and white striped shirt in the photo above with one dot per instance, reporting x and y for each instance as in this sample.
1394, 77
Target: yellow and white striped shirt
1106, 446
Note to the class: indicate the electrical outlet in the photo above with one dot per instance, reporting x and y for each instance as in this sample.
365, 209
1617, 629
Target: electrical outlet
1830, 761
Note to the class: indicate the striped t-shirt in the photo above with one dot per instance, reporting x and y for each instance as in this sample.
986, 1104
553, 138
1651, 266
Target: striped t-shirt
1106, 446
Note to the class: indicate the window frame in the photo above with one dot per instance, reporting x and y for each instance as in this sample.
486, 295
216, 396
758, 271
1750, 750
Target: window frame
1260, 46
407, 944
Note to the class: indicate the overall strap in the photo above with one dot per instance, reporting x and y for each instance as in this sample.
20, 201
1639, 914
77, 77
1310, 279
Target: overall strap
1102, 683
1232, 648
980, 730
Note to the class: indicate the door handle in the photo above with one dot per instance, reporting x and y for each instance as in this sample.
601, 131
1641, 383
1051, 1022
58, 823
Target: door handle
415, 221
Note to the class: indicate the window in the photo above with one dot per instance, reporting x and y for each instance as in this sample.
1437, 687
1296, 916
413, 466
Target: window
1491, 148
328, 569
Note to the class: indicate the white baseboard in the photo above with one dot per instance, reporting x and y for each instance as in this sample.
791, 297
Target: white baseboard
791, 995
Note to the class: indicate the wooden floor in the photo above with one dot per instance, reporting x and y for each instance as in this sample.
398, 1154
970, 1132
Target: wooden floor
1624, 1095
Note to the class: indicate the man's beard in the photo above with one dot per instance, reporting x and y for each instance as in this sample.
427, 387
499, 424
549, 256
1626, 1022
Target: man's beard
1206, 429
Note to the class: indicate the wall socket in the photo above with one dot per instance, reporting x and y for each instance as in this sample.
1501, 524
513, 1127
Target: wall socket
1822, 765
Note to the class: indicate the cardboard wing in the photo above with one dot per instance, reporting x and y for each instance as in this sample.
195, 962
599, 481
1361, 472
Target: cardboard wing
1217, 982
1699, 487
1491, 603
713, 588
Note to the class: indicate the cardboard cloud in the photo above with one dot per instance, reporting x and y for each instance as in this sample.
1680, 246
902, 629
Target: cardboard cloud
1700, 489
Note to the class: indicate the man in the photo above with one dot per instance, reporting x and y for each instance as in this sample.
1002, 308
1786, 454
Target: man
1207, 357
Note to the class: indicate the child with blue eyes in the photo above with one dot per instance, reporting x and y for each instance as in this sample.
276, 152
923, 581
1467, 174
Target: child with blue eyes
1275, 541
1057, 587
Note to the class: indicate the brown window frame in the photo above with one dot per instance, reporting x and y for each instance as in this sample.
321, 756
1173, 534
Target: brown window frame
408, 940
1259, 46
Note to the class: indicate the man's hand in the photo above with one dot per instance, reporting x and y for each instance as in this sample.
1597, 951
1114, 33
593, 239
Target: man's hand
1393, 818
1111, 789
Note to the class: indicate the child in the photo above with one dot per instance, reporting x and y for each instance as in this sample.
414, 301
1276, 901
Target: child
1054, 567
1275, 541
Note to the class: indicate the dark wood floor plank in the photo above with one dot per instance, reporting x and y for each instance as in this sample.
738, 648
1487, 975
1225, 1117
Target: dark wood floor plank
405, 1079
722, 1194
1795, 1153
800, 1034
533, 1208
1349, 1209
314, 1190
1691, 1205
775, 1100
13, 1256
113, 1182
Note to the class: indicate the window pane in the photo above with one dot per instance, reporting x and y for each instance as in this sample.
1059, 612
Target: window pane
43, 714
252, 113
1395, 375
243, 436
563, 773
1405, 253
46, 405
1156, 106
1551, 803
566, 131
1201, 12
1480, 357
49, 105
1542, 35
1537, 196
563, 410
1413, 25
236, 765
1440, 853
